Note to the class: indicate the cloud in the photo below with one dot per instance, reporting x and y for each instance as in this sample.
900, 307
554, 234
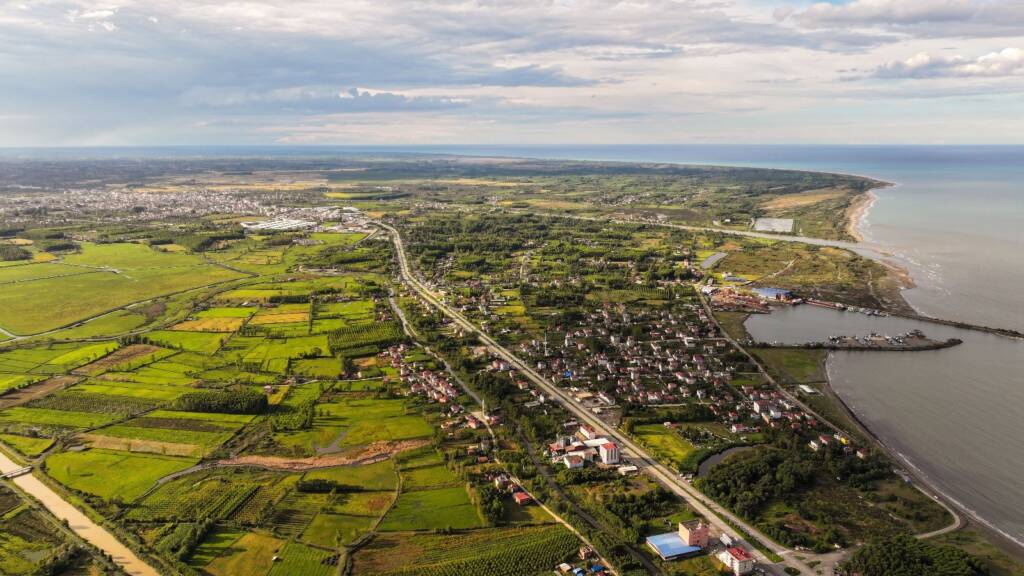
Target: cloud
169, 71
316, 100
918, 18
1007, 62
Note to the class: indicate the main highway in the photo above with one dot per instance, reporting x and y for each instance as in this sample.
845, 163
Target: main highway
714, 514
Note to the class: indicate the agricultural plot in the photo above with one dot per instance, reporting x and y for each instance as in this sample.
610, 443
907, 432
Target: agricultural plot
55, 358
125, 273
218, 494
202, 342
235, 312
215, 544
329, 530
27, 445
323, 368
85, 471
273, 355
15, 381
210, 325
251, 555
497, 552
27, 540
348, 422
380, 476
124, 359
25, 418
297, 558
432, 510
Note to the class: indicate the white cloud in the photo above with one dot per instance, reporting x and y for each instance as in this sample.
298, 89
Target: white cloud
1007, 62
917, 18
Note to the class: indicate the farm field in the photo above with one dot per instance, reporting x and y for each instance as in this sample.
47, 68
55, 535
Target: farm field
495, 552
83, 471
432, 510
123, 274
666, 444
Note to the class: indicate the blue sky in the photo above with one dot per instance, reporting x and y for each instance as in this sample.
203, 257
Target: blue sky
155, 72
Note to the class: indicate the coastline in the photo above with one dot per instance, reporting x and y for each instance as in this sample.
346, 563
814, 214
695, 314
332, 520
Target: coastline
857, 214
964, 517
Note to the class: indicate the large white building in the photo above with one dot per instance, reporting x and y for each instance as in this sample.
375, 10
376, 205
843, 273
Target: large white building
609, 453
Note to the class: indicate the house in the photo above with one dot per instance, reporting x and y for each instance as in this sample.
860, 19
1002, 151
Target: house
736, 559
609, 453
522, 498
572, 461
694, 533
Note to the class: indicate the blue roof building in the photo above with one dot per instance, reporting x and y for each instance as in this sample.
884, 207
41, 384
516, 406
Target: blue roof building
671, 546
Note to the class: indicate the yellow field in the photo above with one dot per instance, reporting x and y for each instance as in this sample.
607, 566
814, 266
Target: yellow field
210, 325
144, 446
286, 318
803, 199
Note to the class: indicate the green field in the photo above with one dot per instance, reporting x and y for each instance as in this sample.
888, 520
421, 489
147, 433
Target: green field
85, 471
495, 552
26, 445
667, 445
297, 558
202, 342
130, 273
432, 510
378, 476
250, 555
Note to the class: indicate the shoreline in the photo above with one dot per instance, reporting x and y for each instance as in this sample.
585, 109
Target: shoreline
964, 516
857, 214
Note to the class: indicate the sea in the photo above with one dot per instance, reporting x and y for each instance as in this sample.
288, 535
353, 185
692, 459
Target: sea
954, 218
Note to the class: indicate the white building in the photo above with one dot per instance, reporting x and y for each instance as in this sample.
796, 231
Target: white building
609, 453
736, 559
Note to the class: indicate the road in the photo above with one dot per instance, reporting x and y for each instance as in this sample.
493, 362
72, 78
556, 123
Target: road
483, 418
79, 522
710, 510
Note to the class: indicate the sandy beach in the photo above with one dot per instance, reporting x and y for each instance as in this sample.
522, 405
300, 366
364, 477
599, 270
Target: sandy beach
857, 212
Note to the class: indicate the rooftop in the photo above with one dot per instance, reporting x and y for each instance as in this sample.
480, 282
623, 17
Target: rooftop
670, 546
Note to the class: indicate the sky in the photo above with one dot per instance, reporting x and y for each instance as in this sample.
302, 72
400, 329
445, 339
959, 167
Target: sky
543, 72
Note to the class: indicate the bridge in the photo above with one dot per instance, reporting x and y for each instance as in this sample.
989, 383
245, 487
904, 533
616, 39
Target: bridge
16, 473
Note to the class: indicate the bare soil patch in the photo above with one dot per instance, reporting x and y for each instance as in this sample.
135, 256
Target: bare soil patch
369, 454
37, 390
119, 356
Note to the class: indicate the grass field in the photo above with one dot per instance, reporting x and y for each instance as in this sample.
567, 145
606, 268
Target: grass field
497, 552
378, 476
215, 544
432, 509
250, 555
127, 273
202, 342
793, 365
328, 530
297, 558
26, 445
357, 421
85, 471
210, 325
61, 418
666, 444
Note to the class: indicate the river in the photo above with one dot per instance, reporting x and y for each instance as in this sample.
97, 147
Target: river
79, 522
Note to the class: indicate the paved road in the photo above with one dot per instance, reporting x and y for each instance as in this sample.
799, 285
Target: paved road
79, 522
712, 511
